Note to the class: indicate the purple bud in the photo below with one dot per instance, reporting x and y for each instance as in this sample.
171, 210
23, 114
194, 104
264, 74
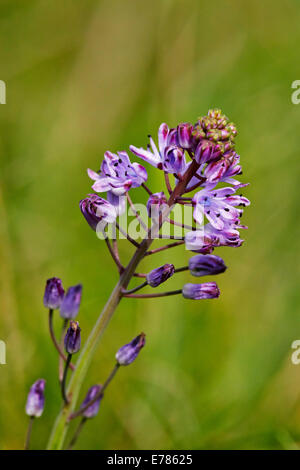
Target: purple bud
208, 290
205, 265
54, 293
71, 302
207, 151
36, 399
159, 275
155, 202
73, 338
97, 210
92, 410
174, 161
184, 135
128, 353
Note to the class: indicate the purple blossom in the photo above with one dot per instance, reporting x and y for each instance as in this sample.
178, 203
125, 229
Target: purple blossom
92, 410
200, 241
228, 236
184, 135
118, 174
97, 211
223, 170
36, 399
159, 275
128, 353
218, 205
155, 204
207, 290
206, 265
207, 151
54, 293
168, 156
71, 302
73, 338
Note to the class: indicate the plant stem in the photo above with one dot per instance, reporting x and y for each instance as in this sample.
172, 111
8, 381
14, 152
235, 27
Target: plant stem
162, 248
135, 289
60, 426
61, 362
28, 433
63, 382
77, 432
152, 296
54, 340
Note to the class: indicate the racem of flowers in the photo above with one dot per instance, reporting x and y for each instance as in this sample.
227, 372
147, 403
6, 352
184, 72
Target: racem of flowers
200, 169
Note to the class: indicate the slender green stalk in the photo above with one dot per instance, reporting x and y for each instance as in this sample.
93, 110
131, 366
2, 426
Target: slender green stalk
60, 427
28, 434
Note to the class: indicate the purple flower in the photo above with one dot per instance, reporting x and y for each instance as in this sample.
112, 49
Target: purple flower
218, 205
97, 211
207, 290
200, 241
71, 302
159, 275
119, 202
228, 236
207, 151
117, 174
223, 170
36, 399
92, 410
155, 204
169, 156
54, 293
128, 353
206, 265
73, 338
184, 135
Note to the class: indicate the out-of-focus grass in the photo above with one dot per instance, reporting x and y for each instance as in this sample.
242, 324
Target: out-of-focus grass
84, 77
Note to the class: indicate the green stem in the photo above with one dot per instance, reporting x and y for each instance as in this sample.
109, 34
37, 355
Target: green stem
61, 424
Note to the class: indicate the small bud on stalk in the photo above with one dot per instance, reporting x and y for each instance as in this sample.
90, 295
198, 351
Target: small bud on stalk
92, 410
54, 293
128, 353
159, 275
73, 338
206, 265
207, 290
36, 399
71, 302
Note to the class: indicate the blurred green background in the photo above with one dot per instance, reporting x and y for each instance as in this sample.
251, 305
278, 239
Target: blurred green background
84, 77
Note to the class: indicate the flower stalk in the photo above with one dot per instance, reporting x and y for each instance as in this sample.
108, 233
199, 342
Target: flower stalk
60, 427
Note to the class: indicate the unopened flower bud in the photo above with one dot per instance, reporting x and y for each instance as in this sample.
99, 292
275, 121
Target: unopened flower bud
54, 293
207, 151
36, 399
205, 265
159, 275
174, 161
184, 135
155, 204
207, 290
71, 302
92, 410
128, 353
73, 338
97, 211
